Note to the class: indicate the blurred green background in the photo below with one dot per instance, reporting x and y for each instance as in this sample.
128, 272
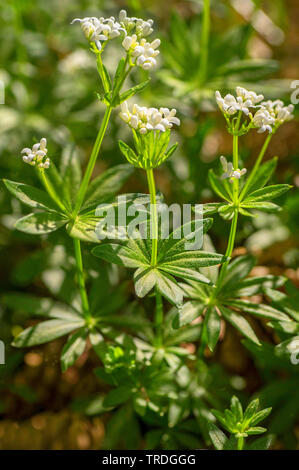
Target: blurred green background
50, 83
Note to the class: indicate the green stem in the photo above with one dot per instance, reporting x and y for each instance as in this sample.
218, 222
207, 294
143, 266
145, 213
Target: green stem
229, 249
204, 42
256, 165
49, 188
159, 319
236, 165
154, 215
80, 274
92, 160
102, 74
240, 443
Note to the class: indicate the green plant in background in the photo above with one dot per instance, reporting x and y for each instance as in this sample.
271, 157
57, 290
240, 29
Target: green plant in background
152, 356
240, 424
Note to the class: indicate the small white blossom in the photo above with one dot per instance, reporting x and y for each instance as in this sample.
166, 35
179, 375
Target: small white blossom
144, 119
242, 102
263, 120
36, 155
229, 171
99, 30
142, 52
279, 112
142, 28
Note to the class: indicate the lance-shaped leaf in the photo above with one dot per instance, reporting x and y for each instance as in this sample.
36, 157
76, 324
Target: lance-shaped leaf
219, 186
258, 310
73, 349
41, 222
31, 196
107, 184
268, 193
70, 171
238, 269
260, 206
261, 177
240, 323
188, 313
46, 331
213, 326
124, 255
133, 91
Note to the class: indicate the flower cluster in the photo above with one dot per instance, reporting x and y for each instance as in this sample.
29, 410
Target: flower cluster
229, 171
36, 155
100, 29
144, 119
135, 30
268, 116
143, 52
243, 102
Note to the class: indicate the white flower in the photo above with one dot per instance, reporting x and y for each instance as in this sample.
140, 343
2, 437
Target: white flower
36, 155
263, 120
229, 171
142, 28
99, 30
278, 111
142, 52
144, 119
242, 102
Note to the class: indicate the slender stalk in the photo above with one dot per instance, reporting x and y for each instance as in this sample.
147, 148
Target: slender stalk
204, 41
159, 319
81, 281
240, 443
154, 215
229, 249
256, 165
92, 160
236, 165
49, 188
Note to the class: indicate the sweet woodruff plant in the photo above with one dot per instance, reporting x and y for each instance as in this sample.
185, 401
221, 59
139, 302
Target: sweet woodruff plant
142, 357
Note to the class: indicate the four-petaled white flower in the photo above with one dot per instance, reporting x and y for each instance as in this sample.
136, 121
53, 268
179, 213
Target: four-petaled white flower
99, 30
142, 27
244, 100
36, 155
278, 111
144, 119
229, 171
263, 120
142, 52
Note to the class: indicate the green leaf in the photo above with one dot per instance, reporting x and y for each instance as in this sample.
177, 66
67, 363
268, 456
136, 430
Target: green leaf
259, 310
169, 287
40, 223
31, 196
217, 437
213, 325
236, 408
260, 416
255, 430
251, 410
129, 154
73, 349
240, 324
270, 192
118, 396
118, 77
133, 91
144, 279
218, 186
188, 313
70, 171
261, 177
124, 255
289, 327
46, 331
263, 443
262, 206
107, 184
238, 269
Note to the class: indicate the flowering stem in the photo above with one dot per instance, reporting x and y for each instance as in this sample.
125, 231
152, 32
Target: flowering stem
236, 164
80, 274
240, 443
92, 161
49, 188
256, 165
154, 216
159, 319
204, 41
